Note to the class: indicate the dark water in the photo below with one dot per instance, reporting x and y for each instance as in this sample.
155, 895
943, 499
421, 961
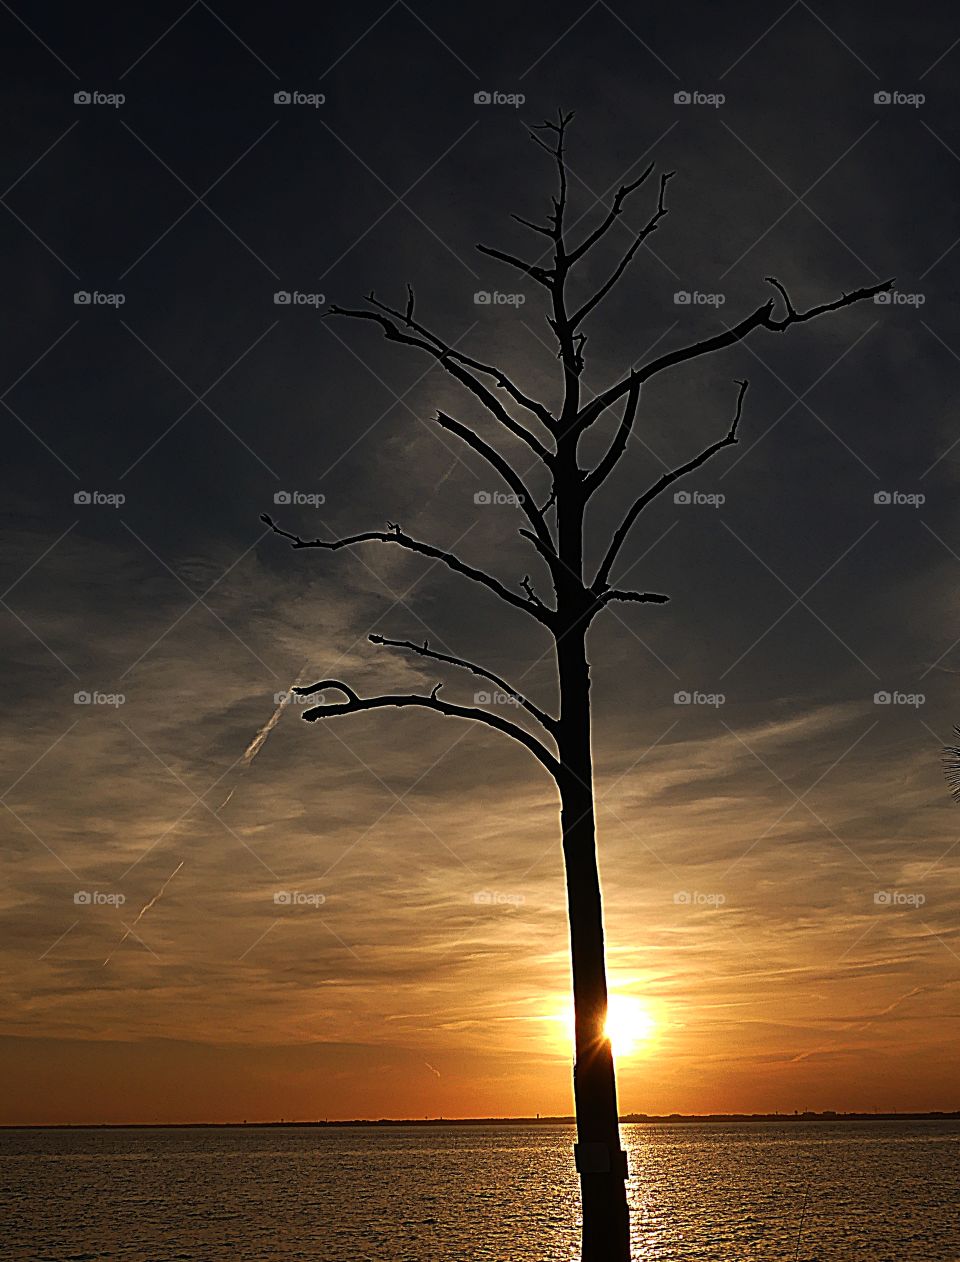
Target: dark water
878, 1191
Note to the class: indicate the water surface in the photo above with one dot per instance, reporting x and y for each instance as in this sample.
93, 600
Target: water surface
878, 1191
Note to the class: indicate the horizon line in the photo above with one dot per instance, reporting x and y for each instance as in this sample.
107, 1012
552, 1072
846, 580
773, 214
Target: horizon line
807, 1115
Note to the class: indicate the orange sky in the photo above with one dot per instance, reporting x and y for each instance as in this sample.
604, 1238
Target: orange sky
774, 978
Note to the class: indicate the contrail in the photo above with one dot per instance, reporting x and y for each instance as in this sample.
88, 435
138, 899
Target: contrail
259, 740
257, 743
225, 801
248, 756
145, 908
441, 481
431, 1068
865, 1025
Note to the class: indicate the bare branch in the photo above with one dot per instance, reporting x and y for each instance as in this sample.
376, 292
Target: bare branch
783, 293
534, 598
620, 197
845, 300
761, 318
549, 553
559, 129
488, 370
535, 227
542, 275
307, 690
452, 363
640, 598
424, 650
531, 132
649, 227
532, 606
356, 705
506, 471
667, 479
548, 277
597, 476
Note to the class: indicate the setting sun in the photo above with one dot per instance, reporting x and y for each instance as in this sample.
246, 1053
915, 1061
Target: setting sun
629, 1023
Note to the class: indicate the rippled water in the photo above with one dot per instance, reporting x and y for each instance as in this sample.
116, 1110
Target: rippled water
883, 1191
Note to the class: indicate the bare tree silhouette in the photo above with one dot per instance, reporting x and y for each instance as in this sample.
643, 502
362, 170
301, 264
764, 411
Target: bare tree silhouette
555, 530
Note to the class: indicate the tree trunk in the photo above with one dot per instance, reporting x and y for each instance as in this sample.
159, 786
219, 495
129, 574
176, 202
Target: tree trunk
601, 1162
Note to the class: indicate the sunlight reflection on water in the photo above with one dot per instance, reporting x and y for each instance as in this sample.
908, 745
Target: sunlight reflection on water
881, 1191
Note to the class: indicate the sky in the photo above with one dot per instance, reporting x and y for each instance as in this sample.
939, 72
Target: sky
366, 918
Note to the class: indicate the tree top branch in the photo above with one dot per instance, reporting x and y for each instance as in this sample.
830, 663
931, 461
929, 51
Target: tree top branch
650, 226
616, 208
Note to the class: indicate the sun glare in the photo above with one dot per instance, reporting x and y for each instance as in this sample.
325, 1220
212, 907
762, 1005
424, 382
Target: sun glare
630, 1026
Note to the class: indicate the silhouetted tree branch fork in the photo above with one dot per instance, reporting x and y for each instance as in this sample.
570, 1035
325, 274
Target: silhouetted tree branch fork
555, 531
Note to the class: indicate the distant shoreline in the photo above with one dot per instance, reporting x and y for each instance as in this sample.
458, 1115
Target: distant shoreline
651, 1119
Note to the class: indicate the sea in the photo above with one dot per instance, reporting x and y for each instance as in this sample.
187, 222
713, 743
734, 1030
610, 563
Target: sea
881, 1191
